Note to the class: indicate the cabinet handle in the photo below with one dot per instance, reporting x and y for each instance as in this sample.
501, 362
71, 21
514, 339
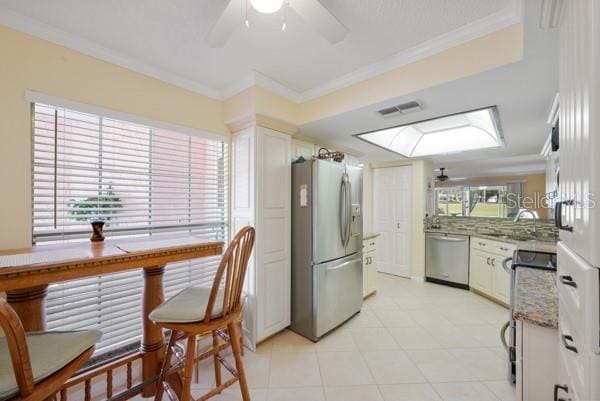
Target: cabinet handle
568, 280
503, 249
565, 340
558, 215
557, 387
481, 243
488, 261
493, 261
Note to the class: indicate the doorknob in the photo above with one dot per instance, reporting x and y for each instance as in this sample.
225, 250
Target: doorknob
398, 225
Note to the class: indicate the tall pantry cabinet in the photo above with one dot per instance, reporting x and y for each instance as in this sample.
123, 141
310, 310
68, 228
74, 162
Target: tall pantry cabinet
261, 190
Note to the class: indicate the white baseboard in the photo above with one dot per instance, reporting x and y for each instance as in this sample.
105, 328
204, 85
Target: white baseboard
420, 279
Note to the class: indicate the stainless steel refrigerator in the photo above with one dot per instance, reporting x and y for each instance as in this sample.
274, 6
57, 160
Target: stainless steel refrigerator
326, 245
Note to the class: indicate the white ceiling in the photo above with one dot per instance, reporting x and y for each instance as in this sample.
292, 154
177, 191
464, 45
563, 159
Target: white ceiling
522, 91
167, 38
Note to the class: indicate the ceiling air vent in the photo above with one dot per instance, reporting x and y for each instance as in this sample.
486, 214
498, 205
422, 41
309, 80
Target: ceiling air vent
403, 108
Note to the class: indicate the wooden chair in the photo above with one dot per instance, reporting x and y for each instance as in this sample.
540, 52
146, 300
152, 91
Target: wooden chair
204, 311
35, 365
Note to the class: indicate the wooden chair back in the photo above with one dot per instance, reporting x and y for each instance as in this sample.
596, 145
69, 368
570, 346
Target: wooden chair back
17, 347
229, 279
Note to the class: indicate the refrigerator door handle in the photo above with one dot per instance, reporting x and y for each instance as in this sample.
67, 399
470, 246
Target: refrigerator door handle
348, 210
343, 208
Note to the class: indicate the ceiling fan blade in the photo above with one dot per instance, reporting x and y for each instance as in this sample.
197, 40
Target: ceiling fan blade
232, 17
316, 14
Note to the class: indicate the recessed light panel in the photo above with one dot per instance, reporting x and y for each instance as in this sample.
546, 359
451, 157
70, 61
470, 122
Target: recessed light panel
470, 130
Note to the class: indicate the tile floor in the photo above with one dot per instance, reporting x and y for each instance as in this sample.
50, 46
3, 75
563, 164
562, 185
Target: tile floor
411, 342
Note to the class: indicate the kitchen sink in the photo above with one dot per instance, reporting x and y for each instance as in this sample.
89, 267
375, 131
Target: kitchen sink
511, 237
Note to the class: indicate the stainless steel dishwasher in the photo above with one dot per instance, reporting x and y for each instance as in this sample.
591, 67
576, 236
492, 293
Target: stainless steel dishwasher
447, 259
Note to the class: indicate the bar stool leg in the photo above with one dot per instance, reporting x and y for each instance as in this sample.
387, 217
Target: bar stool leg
216, 362
166, 365
239, 363
190, 356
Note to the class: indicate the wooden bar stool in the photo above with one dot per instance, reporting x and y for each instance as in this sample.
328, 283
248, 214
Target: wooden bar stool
35, 365
204, 311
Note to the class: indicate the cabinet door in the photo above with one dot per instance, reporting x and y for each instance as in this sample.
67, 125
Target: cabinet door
372, 273
301, 148
579, 126
500, 280
480, 271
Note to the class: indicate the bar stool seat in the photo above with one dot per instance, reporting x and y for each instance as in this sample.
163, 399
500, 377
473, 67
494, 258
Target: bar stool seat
187, 306
49, 352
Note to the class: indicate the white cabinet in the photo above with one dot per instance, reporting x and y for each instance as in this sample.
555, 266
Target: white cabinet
579, 124
537, 360
486, 273
261, 190
369, 250
302, 148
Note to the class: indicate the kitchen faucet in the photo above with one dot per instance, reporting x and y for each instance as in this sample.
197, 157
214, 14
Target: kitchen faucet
534, 217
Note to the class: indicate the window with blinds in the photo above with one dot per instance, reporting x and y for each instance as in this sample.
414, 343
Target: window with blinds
139, 180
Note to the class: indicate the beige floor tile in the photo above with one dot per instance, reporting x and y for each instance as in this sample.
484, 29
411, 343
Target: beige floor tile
395, 318
393, 367
344, 368
294, 369
288, 341
338, 340
409, 392
466, 391
373, 339
366, 318
352, 393
487, 335
296, 394
429, 318
502, 389
413, 338
482, 362
453, 337
439, 365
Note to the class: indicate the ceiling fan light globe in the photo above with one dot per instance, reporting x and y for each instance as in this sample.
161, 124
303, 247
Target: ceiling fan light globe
266, 6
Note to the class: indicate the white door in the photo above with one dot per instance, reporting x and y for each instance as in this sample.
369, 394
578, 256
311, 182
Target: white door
391, 219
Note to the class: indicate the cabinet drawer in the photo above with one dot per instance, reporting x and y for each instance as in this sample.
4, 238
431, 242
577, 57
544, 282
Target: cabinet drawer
577, 284
496, 247
572, 354
369, 245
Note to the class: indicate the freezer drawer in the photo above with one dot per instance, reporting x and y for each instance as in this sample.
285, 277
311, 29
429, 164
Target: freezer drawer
447, 258
338, 292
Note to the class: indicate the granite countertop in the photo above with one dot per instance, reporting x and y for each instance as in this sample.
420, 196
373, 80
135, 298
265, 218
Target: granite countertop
531, 245
536, 297
369, 235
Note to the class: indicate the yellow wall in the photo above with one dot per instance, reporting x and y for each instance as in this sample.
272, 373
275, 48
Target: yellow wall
31, 63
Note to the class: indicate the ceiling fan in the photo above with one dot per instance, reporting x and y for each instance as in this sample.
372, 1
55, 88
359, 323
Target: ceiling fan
311, 10
442, 176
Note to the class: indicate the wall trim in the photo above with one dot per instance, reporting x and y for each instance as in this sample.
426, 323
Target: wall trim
484, 26
57, 36
419, 279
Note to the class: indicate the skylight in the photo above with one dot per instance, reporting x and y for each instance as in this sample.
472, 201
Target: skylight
470, 130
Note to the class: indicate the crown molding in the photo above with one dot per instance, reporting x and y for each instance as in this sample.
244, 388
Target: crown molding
255, 78
44, 31
476, 29
492, 23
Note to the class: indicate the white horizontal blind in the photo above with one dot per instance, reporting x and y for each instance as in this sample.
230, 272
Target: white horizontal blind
140, 181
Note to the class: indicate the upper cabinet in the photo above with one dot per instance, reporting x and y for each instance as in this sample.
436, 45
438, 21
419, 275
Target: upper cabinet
302, 148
